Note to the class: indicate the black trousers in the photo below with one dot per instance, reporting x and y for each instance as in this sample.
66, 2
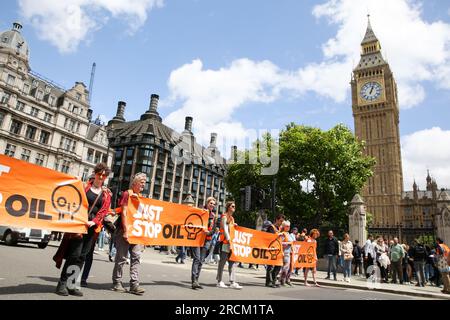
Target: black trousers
76, 254
88, 264
367, 264
271, 274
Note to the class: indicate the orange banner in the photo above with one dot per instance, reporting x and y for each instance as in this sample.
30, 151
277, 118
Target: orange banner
154, 222
39, 198
304, 254
256, 247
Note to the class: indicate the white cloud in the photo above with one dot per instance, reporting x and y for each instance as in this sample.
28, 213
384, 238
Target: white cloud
211, 96
67, 23
426, 149
416, 49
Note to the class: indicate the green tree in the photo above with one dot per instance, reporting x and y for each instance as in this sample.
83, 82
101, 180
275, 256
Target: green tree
241, 174
320, 172
333, 167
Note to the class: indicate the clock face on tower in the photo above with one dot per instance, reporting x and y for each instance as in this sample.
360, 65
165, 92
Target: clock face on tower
371, 91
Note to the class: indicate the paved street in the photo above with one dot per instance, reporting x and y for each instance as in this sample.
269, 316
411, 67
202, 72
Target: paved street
27, 272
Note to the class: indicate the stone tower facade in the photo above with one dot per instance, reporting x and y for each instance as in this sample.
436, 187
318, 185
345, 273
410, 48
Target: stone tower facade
376, 115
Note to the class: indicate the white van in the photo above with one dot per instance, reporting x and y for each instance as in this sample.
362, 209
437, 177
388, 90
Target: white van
11, 236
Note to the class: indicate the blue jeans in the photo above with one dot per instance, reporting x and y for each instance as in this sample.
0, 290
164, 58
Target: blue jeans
101, 239
181, 253
348, 268
331, 265
429, 272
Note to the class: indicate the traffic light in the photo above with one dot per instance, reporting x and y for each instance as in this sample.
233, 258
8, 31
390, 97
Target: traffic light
246, 198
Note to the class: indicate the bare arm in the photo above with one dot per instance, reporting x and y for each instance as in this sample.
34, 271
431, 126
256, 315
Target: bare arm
226, 229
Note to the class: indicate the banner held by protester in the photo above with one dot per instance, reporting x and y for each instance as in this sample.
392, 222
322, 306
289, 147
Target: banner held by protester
155, 222
304, 254
255, 247
39, 198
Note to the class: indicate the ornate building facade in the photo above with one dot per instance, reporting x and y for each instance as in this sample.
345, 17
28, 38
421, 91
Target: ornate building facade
175, 164
377, 116
42, 123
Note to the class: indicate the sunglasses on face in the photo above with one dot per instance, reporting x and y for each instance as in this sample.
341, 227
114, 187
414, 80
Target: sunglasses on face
102, 175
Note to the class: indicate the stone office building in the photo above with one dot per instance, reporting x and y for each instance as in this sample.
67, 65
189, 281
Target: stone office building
42, 123
175, 164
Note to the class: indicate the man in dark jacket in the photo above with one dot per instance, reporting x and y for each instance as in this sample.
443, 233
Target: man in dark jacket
419, 254
332, 253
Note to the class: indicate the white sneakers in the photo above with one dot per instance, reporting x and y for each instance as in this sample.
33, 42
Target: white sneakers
234, 285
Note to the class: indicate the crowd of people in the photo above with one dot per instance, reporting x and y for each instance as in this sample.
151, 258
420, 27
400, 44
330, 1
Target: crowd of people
390, 261
375, 258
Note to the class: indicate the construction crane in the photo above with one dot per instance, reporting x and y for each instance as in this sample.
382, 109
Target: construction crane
91, 83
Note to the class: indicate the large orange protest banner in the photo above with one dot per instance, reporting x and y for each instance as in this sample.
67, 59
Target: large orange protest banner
155, 222
35, 197
304, 254
256, 247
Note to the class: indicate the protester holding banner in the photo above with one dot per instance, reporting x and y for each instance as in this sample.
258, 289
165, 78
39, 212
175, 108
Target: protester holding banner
78, 245
200, 253
287, 241
272, 271
122, 244
225, 253
313, 235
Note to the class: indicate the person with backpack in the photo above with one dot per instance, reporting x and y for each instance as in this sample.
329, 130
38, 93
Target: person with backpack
419, 255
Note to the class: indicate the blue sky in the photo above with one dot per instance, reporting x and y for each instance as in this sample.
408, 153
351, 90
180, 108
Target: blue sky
237, 65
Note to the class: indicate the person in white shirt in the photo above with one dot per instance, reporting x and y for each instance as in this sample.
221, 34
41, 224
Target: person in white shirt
369, 254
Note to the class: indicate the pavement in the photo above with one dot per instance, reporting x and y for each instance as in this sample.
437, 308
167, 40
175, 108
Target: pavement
357, 282
28, 273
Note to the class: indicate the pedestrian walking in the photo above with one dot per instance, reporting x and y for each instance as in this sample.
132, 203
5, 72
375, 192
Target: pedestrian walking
287, 240
200, 253
123, 247
77, 246
332, 253
272, 271
226, 222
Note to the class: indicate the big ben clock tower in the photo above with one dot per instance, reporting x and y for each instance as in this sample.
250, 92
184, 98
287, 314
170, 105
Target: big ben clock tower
376, 115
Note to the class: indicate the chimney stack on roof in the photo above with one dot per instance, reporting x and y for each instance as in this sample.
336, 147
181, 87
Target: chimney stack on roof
188, 124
